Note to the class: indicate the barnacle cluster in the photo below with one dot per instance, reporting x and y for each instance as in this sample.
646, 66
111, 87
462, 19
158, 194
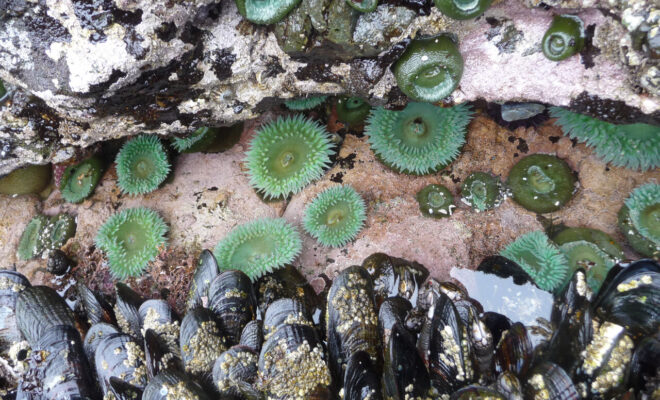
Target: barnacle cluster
335, 216
635, 146
131, 239
258, 247
287, 154
420, 139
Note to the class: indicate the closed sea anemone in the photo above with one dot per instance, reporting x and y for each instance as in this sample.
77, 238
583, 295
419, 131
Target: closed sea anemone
59, 229
30, 179
435, 201
31, 243
265, 12
363, 5
352, 110
541, 183
286, 155
541, 259
639, 219
462, 9
482, 191
335, 216
420, 139
305, 103
589, 257
258, 247
79, 180
601, 239
131, 239
564, 38
635, 146
429, 69
142, 165
3, 91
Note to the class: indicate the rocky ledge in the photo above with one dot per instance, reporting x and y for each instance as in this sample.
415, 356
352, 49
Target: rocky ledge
80, 72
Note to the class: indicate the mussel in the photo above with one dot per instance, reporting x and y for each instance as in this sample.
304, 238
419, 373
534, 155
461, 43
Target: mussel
207, 270
293, 364
351, 320
232, 301
11, 284
38, 309
119, 355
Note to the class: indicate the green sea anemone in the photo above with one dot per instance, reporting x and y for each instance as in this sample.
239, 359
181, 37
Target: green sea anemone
79, 180
31, 243
265, 12
3, 91
30, 179
462, 9
436, 201
635, 239
634, 146
286, 155
142, 165
305, 103
209, 140
258, 247
564, 38
420, 139
363, 5
482, 191
335, 216
352, 110
587, 256
429, 69
131, 239
197, 141
59, 229
602, 240
541, 259
541, 183
639, 219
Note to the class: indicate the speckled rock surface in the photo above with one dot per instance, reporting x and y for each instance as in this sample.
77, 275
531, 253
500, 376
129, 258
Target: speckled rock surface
81, 72
210, 194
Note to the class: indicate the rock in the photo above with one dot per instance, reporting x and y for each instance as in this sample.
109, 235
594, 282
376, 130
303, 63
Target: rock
81, 72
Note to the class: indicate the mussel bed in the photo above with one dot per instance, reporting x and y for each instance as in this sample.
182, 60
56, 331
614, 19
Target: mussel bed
382, 330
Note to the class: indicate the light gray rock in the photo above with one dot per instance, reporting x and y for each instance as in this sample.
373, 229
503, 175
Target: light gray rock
83, 72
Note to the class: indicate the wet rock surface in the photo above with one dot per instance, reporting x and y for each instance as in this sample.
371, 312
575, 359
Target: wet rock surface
209, 195
81, 72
